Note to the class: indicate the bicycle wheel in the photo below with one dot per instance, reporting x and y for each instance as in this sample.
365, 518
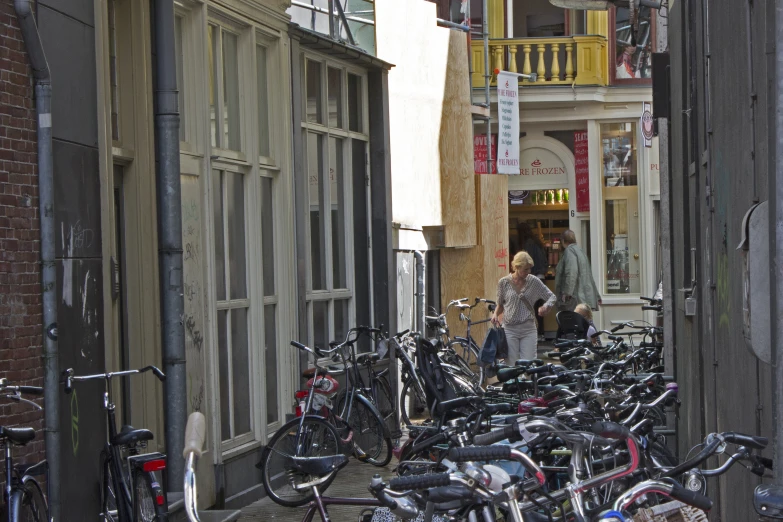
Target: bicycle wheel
384, 401
28, 502
369, 434
148, 499
413, 404
318, 439
464, 356
111, 496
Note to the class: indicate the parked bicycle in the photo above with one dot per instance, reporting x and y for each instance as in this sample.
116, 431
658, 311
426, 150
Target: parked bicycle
23, 495
292, 461
131, 488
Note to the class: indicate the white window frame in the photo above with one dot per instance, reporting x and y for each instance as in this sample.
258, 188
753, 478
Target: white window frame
331, 294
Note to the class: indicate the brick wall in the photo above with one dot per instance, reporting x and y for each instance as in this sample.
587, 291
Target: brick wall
20, 274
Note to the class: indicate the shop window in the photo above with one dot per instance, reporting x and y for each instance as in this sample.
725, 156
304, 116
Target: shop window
620, 193
633, 46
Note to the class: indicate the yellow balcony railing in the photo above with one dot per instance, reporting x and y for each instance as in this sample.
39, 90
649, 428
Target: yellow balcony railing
570, 60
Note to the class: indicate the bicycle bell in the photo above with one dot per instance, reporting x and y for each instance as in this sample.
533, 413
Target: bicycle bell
695, 481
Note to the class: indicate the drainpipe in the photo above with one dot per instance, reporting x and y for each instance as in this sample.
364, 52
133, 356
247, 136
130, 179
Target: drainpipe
421, 304
43, 107
170, 240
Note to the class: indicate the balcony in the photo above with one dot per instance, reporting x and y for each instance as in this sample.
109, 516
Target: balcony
568, 60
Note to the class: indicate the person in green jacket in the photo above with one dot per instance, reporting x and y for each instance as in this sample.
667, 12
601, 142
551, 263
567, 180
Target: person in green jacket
573, 278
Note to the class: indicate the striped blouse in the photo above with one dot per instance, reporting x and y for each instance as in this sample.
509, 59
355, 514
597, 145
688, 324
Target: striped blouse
515, 311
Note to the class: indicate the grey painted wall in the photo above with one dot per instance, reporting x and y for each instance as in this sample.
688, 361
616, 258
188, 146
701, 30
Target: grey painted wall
68, 35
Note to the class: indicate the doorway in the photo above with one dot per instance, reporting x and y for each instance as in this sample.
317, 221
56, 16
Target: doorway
540, 216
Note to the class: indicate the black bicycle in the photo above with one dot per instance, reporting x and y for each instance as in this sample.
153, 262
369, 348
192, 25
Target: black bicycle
24, 498
131, 487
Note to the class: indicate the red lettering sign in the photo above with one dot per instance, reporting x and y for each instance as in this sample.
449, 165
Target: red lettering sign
480, 154
582, 171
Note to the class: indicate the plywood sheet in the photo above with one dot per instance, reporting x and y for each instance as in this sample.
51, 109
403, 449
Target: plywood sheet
456, 149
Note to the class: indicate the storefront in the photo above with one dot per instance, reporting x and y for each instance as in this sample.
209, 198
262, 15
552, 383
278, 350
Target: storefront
597, 178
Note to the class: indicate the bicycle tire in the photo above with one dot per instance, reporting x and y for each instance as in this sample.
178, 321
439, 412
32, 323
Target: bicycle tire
416, 399
321, 439
384, 401
27, 503
369, 434
148, 500
109, 505
467, 359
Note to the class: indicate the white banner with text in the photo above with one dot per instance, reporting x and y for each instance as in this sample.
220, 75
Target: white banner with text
508, 122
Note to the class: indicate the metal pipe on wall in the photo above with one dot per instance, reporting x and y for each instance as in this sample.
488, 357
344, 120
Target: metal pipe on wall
43, 106
421, 291
170, 240
487, 77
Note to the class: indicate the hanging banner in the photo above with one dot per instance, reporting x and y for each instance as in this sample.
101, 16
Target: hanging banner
582, 171
508, 123
480, 154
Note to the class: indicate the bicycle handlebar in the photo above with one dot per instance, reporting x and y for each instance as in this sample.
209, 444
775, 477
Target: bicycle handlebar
195, 434
68, 376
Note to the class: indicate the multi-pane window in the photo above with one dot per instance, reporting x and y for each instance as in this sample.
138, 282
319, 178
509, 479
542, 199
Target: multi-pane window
113, 71
336, 153
233, 304
224, 98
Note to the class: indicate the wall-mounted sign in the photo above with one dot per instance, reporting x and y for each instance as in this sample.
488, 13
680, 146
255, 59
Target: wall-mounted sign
480, 154
540, 168
582, 171
508, 123
647, 124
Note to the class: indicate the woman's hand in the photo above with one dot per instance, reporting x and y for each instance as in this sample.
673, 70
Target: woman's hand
543, 310
495, 319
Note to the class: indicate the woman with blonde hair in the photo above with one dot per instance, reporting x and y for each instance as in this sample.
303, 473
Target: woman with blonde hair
517, 293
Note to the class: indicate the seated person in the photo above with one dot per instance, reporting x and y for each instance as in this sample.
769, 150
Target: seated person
585, 311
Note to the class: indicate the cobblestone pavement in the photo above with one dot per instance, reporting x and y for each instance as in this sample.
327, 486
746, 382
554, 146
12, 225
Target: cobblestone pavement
352, 481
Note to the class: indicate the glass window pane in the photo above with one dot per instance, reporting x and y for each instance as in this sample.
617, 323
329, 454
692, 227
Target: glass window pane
267, 236
240, 371
113, 72
320, 325
340, 319
335, 92
263, 102
180, 75
618, 141
355, 103
313, 79
220, 258
235, 192
213, 84
231, 91
271, 370
337, 181
633, 61
621, 208
317, 222
225, 381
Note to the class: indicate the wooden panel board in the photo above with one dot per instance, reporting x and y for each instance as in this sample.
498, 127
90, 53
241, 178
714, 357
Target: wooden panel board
456, 149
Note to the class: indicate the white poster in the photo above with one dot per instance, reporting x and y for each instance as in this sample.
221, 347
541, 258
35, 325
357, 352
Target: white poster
508, 121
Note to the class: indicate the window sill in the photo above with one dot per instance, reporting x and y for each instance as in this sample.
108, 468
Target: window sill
241, 450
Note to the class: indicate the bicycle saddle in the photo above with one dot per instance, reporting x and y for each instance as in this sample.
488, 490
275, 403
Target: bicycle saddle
362, 358
768, 501
128, 435
18, 436
319, 466
506, 374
